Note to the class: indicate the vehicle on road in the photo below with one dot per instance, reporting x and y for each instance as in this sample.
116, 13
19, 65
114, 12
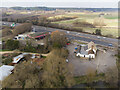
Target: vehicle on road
98, 37
104, 37
110, 45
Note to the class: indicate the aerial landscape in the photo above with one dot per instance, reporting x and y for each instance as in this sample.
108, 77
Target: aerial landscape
59, 47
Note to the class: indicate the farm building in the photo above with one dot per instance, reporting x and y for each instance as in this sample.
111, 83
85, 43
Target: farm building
38, 36
86, 51
20, 57
5, 70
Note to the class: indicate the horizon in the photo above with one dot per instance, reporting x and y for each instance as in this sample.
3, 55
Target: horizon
61, 4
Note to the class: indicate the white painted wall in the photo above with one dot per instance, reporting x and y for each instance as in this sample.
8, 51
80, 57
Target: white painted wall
86, 56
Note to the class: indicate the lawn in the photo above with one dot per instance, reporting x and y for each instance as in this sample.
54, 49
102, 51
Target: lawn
84, 79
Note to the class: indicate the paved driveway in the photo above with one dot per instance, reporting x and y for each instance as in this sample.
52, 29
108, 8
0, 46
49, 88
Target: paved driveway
101, 63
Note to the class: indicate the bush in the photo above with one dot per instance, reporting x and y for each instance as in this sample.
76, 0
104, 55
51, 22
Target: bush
26, 27
109, 35
12, 44
6, 32
7, 61
98, 32
83, 24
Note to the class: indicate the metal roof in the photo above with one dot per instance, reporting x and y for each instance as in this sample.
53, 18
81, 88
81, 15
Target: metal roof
5, 70
17, 58
83, 51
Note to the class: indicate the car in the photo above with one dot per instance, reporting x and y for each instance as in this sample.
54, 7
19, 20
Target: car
68, 32
67, 60
3, 23
98, 37
68, 43
110, 45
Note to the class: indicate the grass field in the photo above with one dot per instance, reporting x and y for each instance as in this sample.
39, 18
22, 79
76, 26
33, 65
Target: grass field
110, 19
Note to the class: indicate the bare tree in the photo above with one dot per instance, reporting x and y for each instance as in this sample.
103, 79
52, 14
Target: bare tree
26, 27
56, 72
58, 39
99, 22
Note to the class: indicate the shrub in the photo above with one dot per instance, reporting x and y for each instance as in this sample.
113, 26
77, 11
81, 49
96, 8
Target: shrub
7, 61
98, 32
11, 44
26, 27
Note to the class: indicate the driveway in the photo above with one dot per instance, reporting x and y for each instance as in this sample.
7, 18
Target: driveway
101, 63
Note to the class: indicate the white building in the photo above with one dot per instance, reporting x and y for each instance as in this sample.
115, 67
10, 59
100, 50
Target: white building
87, 51
5, 70
18, 58
20, 37
21, 56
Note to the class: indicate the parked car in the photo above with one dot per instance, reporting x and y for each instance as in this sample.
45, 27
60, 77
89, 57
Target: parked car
3, 23
67, 60
110, 45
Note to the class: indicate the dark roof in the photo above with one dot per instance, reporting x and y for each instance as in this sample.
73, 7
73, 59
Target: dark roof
86, 47
90, 52
83, 51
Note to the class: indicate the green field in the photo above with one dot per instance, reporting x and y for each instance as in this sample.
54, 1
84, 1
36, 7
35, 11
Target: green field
110, 20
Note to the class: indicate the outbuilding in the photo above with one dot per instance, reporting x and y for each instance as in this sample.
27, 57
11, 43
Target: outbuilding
5, 70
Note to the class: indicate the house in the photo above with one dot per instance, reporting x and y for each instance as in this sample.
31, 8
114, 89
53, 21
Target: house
87, 51
20, 37
5, 70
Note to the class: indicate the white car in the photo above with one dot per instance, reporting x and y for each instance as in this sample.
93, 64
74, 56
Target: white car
68, 32
98, 37
67, 60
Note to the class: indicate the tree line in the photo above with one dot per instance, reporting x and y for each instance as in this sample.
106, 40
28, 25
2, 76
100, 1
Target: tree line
56, 40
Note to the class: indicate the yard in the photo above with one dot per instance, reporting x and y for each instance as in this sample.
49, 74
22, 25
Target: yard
101, 63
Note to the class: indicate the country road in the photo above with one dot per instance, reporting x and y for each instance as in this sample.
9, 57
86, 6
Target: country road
104, 41
4, 52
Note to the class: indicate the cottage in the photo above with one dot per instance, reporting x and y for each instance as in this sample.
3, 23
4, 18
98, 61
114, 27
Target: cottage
87, 51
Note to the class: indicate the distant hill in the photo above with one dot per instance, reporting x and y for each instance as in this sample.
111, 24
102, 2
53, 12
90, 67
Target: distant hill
92, 9
68, 9
33, 8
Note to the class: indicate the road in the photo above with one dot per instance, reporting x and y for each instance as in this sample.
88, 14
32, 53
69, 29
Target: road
104, 41
5, 52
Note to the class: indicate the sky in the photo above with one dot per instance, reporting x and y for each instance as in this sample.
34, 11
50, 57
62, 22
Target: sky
61, 3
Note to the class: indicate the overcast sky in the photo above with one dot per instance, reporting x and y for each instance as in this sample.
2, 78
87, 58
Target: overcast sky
62, 3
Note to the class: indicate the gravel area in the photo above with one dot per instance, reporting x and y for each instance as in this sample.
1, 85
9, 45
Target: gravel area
102, 62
